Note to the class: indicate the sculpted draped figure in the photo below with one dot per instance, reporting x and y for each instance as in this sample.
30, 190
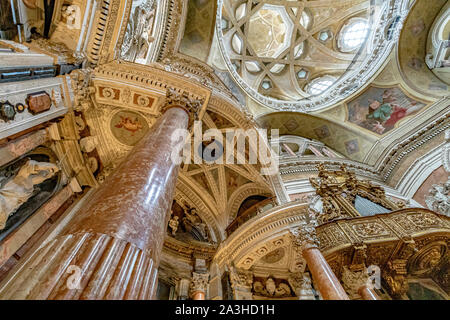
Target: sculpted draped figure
138, 34
20, 188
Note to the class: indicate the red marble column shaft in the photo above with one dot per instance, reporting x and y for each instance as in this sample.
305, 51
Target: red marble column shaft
367, 293
328, 285
111, 249
198, 295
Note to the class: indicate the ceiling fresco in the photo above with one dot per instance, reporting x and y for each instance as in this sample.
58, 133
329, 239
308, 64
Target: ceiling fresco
382, 109
287, 55
128, 127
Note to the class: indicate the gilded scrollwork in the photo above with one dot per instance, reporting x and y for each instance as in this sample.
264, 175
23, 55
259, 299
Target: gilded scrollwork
338, 190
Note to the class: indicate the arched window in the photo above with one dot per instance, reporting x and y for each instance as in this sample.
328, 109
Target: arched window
319, 85
353, 34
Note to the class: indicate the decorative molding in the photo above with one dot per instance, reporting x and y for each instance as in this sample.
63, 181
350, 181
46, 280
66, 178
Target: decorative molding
419, 171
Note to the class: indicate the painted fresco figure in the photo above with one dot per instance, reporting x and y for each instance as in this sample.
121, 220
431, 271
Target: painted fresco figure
19, 189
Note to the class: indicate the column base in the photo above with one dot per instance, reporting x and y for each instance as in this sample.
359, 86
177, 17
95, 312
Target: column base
83, 266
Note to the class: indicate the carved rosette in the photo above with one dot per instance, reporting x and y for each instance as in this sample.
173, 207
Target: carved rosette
199, 282
176, 99
354, 280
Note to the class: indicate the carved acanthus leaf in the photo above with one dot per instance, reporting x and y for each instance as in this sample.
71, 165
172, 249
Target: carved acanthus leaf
199, 282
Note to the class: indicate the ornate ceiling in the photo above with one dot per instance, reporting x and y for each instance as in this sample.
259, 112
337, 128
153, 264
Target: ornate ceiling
128, 98
255, 60
287, 54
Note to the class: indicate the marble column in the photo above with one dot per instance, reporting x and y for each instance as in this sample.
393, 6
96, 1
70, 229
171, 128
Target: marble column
305, 240
111, 249
367, 293
199, 285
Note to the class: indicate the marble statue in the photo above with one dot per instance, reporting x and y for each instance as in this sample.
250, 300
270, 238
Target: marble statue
173, 224
20, 188
191, 220
137, 37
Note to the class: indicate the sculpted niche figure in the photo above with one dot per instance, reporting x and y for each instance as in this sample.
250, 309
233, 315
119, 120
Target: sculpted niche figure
20, 188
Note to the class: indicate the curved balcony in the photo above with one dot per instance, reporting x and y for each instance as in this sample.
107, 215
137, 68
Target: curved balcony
251, 212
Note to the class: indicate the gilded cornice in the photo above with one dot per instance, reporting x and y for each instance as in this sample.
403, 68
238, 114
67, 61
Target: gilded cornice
290, 165
173, 34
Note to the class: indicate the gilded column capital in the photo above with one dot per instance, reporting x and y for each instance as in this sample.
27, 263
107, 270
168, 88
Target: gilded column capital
181, 99
305, 236
199, 282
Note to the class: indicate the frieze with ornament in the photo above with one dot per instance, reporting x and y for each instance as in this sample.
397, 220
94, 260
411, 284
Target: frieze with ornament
377, 228
151, 78
125, 97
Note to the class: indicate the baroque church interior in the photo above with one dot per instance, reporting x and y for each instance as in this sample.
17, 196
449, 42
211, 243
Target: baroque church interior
345, 103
